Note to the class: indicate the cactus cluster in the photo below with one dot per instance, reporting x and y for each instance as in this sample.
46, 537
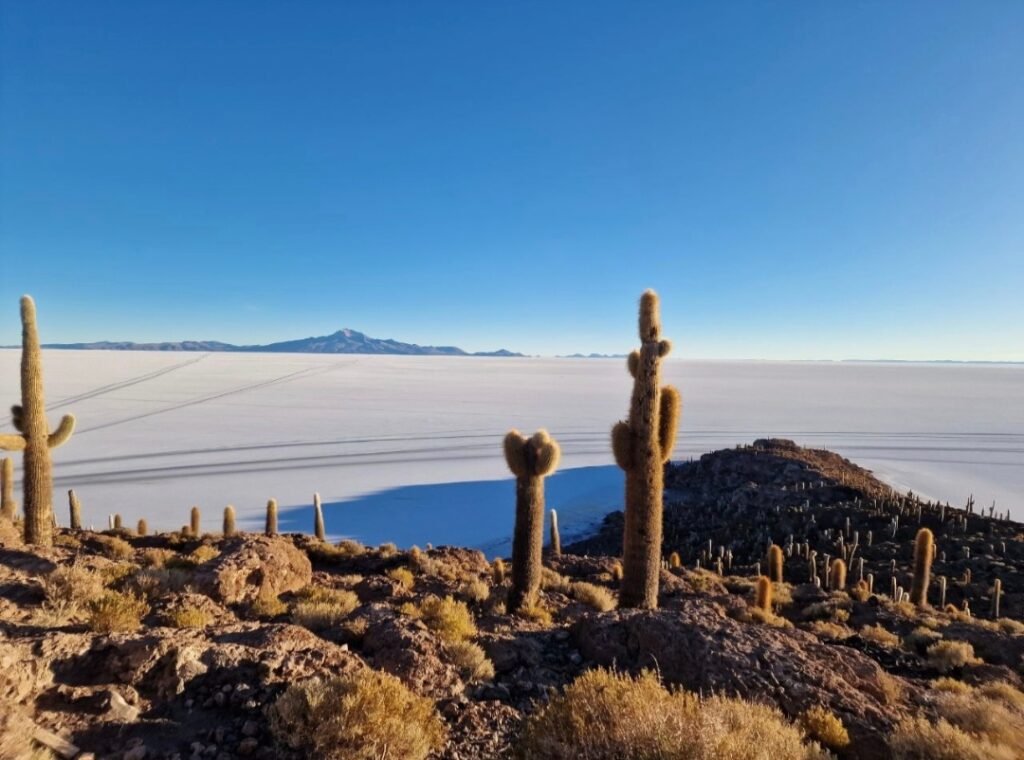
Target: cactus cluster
642, 445
34, 437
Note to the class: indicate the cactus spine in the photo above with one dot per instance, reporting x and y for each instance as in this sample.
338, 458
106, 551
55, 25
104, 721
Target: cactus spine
556, 540
75, 508
194, 518
923, 550
229, 521
271, 526
837, 575
318, 518
775, 563
642, 445
34, 437
530, 460
764, 594
8, 506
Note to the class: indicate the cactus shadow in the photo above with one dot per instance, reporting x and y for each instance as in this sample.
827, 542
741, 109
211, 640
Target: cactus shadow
478, 514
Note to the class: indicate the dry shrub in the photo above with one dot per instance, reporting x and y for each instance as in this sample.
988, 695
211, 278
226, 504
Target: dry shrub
156, 557
876, 634
596, 597
115, 611
387, 550
448, 618
114, 547
154, 582
1011, 626
204, 553
67, 541
823, 725
946, 656
1001, 691
827, 610
950, 685
471, 661
552, 581
403, 577
827, 630
367, 715
604, 715
918, 739
920, 639
475, 591
189, 617
536, 613
267, 604
321, 608
74, 584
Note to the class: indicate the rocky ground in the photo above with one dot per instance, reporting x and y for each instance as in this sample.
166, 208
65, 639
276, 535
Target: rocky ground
169, 646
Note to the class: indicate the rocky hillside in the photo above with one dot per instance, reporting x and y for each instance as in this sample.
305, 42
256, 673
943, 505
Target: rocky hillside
131, 647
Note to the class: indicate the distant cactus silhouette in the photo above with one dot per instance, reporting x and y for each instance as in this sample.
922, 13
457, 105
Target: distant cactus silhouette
194, 520
556, 540
674, 560
837, 575
997, 591
35, 438
775, 563
924, 550
498, 571
642, 445
229, 521
763, 599
271, 526
318, 518
75, 508
8, 506
118, 522
143, 527
530, 460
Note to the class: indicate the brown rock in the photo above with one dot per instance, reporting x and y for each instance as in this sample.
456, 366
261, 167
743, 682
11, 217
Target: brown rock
250, 565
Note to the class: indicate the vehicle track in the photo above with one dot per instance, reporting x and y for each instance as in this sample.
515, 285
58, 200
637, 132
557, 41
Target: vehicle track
111, 387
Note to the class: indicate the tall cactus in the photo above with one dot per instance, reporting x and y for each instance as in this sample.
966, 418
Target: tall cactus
75, 508
34, 436
923, 549
318, 518
229, 521
642, 445
775, 563
530, 460
194, 519
271, 525
8, 506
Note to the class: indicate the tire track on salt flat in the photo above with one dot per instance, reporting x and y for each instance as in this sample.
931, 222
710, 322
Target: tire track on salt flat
297, 375
111, 387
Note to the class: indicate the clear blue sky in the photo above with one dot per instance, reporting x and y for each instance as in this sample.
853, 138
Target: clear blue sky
798, 180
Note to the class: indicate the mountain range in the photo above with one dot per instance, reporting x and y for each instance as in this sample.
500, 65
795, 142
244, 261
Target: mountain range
341, 342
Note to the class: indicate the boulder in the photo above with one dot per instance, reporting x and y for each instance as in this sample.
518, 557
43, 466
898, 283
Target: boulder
251, 565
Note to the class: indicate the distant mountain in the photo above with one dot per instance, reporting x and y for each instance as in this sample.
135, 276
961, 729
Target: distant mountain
342, 342
591, 356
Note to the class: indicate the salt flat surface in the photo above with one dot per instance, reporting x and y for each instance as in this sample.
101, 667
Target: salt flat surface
408, 449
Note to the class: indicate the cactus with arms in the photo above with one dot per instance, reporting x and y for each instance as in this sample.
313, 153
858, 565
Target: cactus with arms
530, 459
642, 445
34, 437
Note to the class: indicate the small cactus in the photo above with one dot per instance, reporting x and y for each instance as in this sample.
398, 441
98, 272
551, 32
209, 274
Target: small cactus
837, 575
34, 437
229, 521
997, 591
763, 600
8, 506
143, 528
530, 460
556, 540
674, 561
775, 563
194, 519
271, 526
75, 508
318, 518
924, 545
118, 522
642, 446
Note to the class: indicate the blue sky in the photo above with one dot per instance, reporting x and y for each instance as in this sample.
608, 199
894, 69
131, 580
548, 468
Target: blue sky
798, 180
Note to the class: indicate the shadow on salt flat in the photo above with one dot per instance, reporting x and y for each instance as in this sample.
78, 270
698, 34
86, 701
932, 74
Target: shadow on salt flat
476, 514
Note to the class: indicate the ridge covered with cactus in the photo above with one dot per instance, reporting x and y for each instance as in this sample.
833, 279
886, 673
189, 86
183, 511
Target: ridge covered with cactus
763, 601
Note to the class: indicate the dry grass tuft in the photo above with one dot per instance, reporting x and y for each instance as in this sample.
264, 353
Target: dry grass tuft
115, 612
403, 577
536, 613
364, 716
824, 726
114, 547
552, 581
827, 630
156, 557
607, 716
267, 605
876, 634
448, 618
946, 656
321, 609
189, 617
471, 661
596, 597
475, 591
